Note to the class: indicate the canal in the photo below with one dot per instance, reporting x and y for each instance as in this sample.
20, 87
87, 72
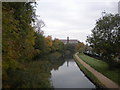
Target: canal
69, 75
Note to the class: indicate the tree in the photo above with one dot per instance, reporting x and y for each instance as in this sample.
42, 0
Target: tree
70, 48
105, 37
57, 45
39, 43
80, 47
48, 44
17, 36
39, 24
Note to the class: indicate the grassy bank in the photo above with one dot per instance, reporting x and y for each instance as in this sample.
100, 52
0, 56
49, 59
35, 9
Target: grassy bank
89, 74
102, 67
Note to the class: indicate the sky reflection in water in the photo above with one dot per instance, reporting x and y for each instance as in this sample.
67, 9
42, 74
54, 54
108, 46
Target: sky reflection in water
70, 76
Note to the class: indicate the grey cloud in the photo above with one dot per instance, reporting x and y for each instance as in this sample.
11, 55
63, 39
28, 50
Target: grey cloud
74, 18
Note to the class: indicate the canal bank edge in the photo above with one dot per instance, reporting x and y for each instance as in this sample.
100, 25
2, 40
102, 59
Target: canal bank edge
88, 74
94, 75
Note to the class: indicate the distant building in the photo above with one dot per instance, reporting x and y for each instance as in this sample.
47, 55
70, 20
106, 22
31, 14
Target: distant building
119, 7
66, 41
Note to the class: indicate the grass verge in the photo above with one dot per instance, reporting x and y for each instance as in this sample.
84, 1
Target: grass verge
102, 67
89, 74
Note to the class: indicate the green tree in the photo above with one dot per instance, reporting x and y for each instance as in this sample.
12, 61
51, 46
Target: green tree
48, 44
17, 36
105, 37
80, 47
39, 44
70, 48
57, 45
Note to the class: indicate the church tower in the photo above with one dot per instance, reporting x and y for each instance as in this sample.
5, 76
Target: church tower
67, 40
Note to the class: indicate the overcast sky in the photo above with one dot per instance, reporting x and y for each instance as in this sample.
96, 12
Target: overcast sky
73, 18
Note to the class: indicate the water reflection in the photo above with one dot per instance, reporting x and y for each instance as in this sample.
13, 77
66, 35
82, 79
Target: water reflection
70, 76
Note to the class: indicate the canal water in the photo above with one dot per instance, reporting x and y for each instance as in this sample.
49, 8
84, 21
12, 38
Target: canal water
70, 76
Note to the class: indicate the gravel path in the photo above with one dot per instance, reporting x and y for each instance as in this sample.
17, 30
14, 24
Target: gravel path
107, 82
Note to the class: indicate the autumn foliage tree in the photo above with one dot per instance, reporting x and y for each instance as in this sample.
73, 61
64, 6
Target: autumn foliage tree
80, 47
17, 36
48, 44
57, 45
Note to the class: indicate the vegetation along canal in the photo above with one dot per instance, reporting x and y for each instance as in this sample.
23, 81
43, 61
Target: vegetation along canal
70, 76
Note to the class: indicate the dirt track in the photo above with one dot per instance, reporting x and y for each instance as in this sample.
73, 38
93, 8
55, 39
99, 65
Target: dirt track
104, 80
